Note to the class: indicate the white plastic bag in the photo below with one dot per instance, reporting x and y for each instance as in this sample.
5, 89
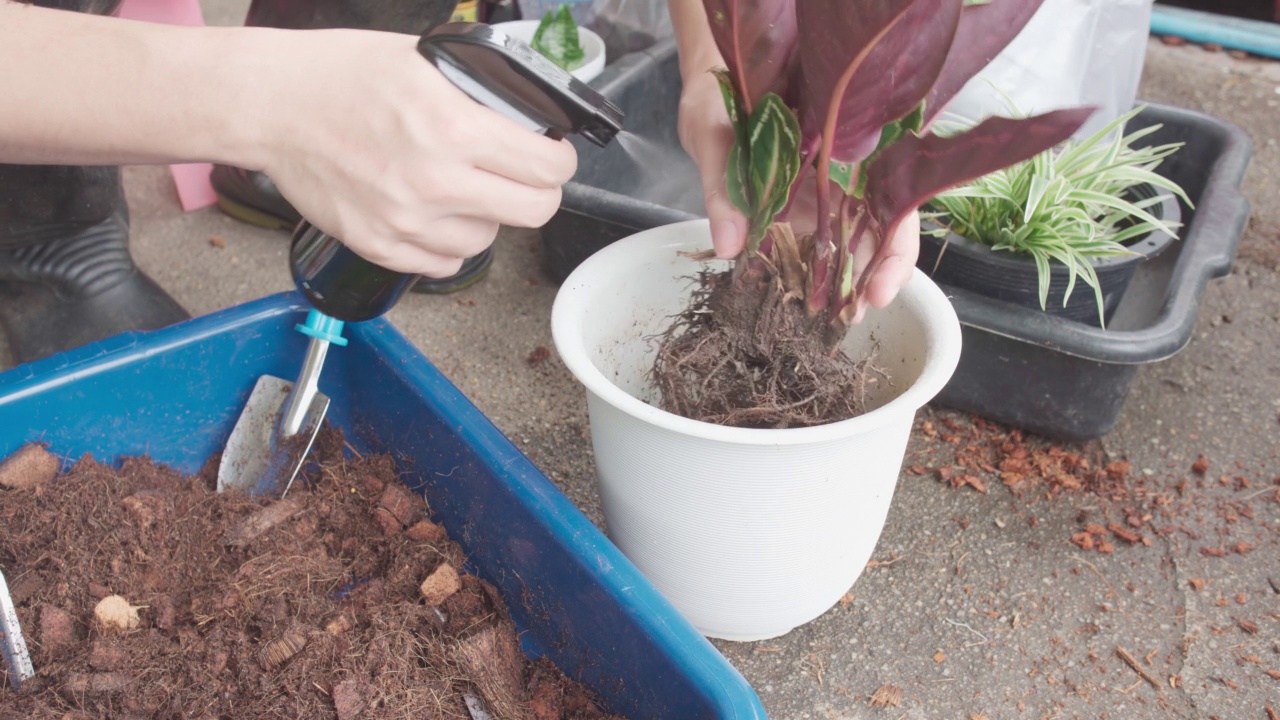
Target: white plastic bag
630, 25
1071, 53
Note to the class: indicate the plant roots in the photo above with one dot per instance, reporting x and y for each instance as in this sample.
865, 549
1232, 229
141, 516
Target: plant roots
744, 354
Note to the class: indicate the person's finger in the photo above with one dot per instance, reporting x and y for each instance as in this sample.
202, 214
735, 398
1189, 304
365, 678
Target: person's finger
889, 279
407, 257
435, 251
710, 153
895, 270
728, 225
509, 150
520, 205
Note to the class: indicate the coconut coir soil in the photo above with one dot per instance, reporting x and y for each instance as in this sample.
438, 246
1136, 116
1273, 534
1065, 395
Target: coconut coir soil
310, 607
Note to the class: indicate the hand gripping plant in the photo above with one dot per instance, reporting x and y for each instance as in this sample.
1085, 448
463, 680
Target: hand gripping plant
835, 96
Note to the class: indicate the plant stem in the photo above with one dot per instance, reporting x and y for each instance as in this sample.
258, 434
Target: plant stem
837, 96
822, 271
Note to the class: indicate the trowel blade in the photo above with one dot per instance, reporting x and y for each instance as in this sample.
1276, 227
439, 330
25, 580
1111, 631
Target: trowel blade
256, 459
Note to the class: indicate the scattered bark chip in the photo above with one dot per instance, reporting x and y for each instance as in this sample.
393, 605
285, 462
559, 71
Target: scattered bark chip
31, 466
114, 612
404, 504
57, 629
349, 698
425, 531
1200, 466
440, 584
888, 695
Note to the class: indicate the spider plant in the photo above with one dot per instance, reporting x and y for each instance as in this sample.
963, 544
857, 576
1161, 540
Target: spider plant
1068, 205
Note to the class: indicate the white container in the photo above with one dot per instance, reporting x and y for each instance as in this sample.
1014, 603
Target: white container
592, 46
749, 532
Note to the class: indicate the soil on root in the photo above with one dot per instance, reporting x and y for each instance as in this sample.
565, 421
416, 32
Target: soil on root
745, 356
313, 606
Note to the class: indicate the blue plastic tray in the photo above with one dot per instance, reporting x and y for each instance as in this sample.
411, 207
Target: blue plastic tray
175, 393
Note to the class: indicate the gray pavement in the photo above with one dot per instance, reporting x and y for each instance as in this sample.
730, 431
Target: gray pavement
978, 604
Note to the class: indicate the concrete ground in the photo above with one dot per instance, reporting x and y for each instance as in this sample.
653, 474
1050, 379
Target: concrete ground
978, 604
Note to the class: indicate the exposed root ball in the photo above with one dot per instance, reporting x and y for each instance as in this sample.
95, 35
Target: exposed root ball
745, 356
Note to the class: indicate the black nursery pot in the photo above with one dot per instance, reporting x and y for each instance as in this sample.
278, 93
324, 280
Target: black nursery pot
1012, 277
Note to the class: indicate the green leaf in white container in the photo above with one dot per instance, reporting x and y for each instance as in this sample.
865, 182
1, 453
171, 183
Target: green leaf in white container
557, 38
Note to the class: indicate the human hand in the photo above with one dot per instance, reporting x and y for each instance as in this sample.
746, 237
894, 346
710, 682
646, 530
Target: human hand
707, 135
374, 146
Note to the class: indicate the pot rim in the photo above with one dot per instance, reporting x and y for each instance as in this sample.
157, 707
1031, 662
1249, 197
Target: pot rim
942, 354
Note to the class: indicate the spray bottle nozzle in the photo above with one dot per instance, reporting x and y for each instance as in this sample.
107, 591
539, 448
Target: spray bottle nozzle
510, 77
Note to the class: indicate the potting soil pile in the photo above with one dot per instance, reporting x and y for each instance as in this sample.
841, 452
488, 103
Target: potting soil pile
145, 594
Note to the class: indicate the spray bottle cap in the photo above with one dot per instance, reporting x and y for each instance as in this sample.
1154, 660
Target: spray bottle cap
506, 75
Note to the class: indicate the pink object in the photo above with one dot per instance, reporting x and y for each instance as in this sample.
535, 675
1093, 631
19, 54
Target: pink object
192, 180
169, 12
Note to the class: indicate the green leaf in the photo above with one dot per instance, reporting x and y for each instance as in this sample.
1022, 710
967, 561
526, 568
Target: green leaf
842, 174
915, 120
730, 96
773, 143
739, 154
736, 179
557, 38
889, 134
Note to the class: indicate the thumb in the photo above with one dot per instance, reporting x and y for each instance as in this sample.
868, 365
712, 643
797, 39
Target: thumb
708, 137
728, 224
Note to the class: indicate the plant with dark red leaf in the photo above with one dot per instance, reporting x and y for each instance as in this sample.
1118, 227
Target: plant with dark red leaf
852, 103
837, 97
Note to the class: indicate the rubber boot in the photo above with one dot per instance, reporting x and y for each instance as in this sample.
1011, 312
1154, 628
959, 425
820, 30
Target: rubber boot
66, 275
251, 196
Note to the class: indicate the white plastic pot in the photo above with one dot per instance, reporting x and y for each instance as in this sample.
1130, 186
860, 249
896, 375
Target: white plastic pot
749, 532
592, 46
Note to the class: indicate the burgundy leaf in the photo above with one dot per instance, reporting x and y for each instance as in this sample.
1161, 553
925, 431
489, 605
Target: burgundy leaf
916, 168
913, 170
984, 31
757, 39
893, 77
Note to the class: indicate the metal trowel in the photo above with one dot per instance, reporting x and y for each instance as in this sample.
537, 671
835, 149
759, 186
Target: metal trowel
14, 647
271, 439
280, 420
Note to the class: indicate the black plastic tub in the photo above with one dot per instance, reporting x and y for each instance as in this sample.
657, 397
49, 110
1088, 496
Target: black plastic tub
1020, 366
